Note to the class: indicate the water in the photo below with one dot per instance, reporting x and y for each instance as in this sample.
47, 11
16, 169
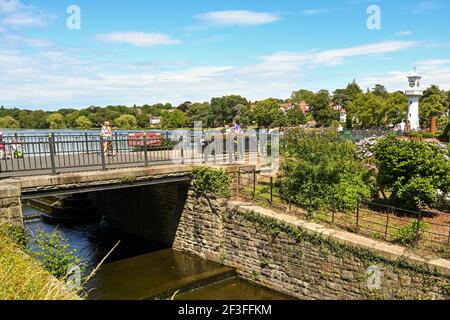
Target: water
144, 270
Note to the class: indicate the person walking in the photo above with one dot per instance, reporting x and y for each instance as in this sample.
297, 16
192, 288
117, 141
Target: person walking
106, 135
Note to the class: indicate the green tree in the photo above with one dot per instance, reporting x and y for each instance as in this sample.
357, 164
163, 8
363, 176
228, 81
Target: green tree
71, 119
56, 121
267, 113
345, 96
320, 170
223, 109
244, 115
83, 122
412, 170
432, 106
9, 122
396, 108
367, 110
200, 112
173, 120
380, 91
126, 122
321, 108
302, 95
295, 116
142, 120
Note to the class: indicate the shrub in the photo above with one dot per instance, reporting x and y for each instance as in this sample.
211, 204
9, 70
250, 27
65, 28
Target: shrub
209, 180
412, 170
410, 234
54, 252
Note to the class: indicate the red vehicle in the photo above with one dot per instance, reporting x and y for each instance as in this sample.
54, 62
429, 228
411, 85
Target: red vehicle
136, 140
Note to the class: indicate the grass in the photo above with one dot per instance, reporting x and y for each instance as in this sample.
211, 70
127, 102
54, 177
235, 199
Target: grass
23, 278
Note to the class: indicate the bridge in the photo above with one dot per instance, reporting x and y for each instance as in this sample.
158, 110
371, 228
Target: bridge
71, 164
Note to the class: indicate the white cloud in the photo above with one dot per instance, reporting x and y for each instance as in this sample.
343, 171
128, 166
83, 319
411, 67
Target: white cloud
337, 56
403, 33
141, 39
238, 18
14, 13
314, 12
427, 5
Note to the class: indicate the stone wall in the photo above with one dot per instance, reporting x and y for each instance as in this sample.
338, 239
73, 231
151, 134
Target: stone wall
10, 206
304, 259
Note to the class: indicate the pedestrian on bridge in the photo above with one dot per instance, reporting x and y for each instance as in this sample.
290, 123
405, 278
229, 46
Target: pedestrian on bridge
106, 135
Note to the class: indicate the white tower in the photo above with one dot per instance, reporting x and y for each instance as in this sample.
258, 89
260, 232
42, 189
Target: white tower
414, 93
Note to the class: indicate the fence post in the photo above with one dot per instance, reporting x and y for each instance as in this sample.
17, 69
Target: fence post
333, 209
357, 216
271, 191
213, 142
145, 151
51, 140
238, 182
86, 139
387, 225
102, 154
117, 143
254, 184
419, 220
182, 149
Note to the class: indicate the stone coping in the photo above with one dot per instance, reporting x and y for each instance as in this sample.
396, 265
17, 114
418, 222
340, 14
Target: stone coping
384, 249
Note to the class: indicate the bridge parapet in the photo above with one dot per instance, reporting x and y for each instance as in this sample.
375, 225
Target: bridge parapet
10, 205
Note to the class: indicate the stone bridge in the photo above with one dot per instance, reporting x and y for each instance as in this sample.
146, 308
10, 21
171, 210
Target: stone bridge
14, 190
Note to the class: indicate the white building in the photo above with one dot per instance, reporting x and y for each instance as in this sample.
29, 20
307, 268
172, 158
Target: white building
414, 93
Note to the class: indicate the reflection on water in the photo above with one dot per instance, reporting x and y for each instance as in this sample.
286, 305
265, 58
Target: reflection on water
139, 269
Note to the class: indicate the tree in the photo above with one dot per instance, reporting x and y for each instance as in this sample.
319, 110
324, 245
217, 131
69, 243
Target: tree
380, 91
83, 122
9, 122
302, 95
396, 108
321, 108
200, 112
71, 119
173, 120
56, 121
432, 106
321, 170
244, 115
367, 110
345, 96
412, 170
267, 113
223, 109
126, 122
142, 120
295, 116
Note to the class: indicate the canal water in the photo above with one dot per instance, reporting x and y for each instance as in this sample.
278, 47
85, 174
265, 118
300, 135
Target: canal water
143, 270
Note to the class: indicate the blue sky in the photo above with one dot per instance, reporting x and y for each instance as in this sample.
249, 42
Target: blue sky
136, 52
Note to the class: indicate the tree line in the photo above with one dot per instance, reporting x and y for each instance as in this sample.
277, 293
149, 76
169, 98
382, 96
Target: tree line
373, 108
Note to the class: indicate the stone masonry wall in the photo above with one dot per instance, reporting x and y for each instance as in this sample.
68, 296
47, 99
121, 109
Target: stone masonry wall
320, 264
10, 206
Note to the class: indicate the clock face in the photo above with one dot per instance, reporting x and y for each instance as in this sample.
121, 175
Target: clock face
412, 84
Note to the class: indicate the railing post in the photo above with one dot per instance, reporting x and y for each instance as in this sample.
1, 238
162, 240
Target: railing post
102, 154
145, 151
86, 139
116, 143
238, 181
254, 184
357, 216
387, 226
182, 149
333, 210
51, 140
271, 191
214, 148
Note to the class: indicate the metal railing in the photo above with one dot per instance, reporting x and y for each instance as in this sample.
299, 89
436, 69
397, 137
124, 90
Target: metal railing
372, 219
57, 153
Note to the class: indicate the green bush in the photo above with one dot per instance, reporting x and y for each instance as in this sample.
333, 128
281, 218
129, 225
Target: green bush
427, 135
54, 252
411, 234
412, 170
209, 180
415, 135
320, 169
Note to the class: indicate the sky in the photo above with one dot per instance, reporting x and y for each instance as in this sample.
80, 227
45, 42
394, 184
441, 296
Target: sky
74, 54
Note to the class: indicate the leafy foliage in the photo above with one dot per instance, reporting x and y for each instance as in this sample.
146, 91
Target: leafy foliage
173, 120
209, 180
320, 170
413, 170
126, 122
411, 233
